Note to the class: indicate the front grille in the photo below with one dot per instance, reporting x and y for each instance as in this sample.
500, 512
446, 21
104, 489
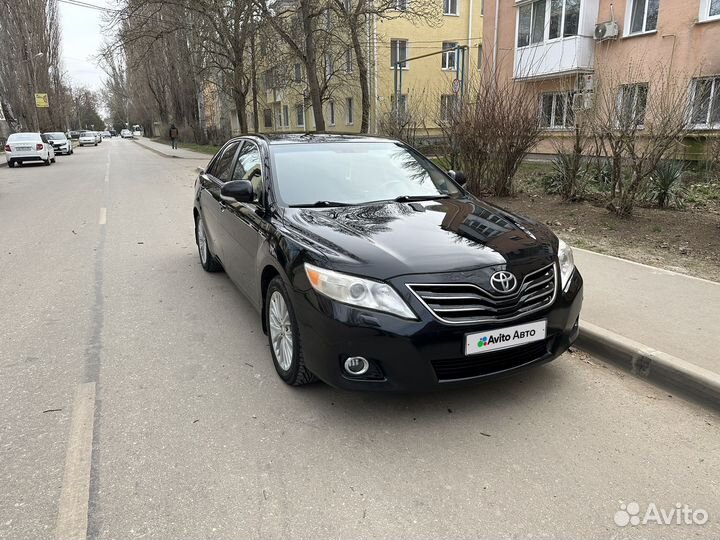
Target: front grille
465, 303
489, 363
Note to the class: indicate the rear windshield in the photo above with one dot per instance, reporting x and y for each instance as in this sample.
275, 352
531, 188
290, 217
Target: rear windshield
15, 137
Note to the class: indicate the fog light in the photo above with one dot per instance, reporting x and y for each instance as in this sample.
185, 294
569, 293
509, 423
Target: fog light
357, 365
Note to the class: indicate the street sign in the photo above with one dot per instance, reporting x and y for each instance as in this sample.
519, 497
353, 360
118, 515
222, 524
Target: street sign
41, 101
456, 86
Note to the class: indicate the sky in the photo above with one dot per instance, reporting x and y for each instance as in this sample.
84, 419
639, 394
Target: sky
82, 38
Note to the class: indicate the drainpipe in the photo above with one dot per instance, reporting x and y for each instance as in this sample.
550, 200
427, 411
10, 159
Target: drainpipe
469, 40
495, 37
375, 64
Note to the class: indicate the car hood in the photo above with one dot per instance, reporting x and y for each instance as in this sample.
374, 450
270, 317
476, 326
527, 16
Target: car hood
447, 235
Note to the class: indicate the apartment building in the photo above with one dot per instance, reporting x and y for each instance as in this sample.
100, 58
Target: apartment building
561, 46
424, 85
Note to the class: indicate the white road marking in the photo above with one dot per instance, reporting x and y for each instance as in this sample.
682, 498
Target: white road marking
107, 170
72, 520
103, 216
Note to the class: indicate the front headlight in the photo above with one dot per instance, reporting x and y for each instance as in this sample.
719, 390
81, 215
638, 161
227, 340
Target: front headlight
357, 291
566, 261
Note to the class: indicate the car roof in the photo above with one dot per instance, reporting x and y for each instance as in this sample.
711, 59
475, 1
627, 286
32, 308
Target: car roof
316, 138
24, 134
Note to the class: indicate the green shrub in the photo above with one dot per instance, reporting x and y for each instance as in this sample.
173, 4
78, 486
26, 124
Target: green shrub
665, 184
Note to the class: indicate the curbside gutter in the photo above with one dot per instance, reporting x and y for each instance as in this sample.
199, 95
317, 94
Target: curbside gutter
647, 363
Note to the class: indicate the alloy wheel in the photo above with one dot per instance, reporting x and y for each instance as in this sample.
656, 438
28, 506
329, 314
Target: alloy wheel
281, 335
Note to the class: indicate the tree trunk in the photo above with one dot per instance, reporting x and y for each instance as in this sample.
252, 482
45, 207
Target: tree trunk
240, 104
253, 83
362, 76
311, 67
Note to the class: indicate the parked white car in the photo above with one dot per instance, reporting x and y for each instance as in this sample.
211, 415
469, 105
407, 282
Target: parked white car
60, 143
137, 133
126, 134
24, 147
88, 138
98, 136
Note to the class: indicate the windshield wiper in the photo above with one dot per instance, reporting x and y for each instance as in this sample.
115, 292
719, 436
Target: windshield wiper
321, 204
411, 198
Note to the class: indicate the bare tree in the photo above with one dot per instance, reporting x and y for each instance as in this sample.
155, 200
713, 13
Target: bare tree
639, 118
489, 131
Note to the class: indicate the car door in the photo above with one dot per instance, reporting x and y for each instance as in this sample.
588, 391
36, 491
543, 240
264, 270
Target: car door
212, 205
244, 222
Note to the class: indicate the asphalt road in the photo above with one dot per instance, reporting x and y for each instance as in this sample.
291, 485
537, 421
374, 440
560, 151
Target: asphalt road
137, 393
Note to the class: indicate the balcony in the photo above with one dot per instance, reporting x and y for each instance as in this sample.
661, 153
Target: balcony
553, 58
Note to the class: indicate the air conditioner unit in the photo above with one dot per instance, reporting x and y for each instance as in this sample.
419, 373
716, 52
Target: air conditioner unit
582, 101
607, 30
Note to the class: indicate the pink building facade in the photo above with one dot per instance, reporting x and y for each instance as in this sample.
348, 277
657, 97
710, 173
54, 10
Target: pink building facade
561, 47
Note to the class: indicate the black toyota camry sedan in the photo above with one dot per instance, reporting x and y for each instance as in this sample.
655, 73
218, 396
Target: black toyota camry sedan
373, 269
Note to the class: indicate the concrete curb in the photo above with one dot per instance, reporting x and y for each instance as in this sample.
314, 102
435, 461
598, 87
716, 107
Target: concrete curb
647, 363
155, 150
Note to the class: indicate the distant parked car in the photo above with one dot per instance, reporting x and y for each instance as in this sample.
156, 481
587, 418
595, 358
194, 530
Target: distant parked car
22, 147
113, 133
88, 138
137, 133
74, 135
126, 134
61, 144
98, 136
106, 134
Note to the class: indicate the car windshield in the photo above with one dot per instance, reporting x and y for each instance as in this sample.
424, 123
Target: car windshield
352, 173
57, 136
15, 137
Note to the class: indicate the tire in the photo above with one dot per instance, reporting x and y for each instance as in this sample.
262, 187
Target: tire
95, 144
280, 324
52, 160
47, 162
208, 261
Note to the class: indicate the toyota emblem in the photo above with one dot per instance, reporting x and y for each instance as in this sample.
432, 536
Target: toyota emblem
503, 282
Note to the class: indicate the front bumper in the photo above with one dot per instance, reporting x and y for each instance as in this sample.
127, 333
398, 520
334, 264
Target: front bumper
421, 355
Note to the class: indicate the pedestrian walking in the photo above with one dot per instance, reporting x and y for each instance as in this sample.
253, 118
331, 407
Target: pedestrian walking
173, 136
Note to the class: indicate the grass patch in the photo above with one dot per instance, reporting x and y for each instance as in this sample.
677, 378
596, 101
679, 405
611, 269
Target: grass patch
202, 148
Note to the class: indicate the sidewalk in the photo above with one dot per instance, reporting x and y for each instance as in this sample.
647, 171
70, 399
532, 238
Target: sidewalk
166, 150
658, 309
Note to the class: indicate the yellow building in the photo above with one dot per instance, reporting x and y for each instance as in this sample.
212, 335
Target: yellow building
425, 85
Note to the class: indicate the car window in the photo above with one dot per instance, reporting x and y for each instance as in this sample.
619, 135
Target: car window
355, 173
248, 167
222, 168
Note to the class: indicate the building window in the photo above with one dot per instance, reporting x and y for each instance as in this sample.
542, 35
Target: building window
267, 118
403, 104
480, 57
300, 115
398, 52
706, 102
448, 104
286, 116
329, 66
449, 55
450, 7
401, 5
331, 107
297, 73
643, 15
556, 110
531, 23
349, 111
564, 18
269, 79
348, 5
632, 103
348, 60
709, 10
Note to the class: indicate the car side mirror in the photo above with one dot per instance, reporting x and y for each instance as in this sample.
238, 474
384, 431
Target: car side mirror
240, 190
458, 176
